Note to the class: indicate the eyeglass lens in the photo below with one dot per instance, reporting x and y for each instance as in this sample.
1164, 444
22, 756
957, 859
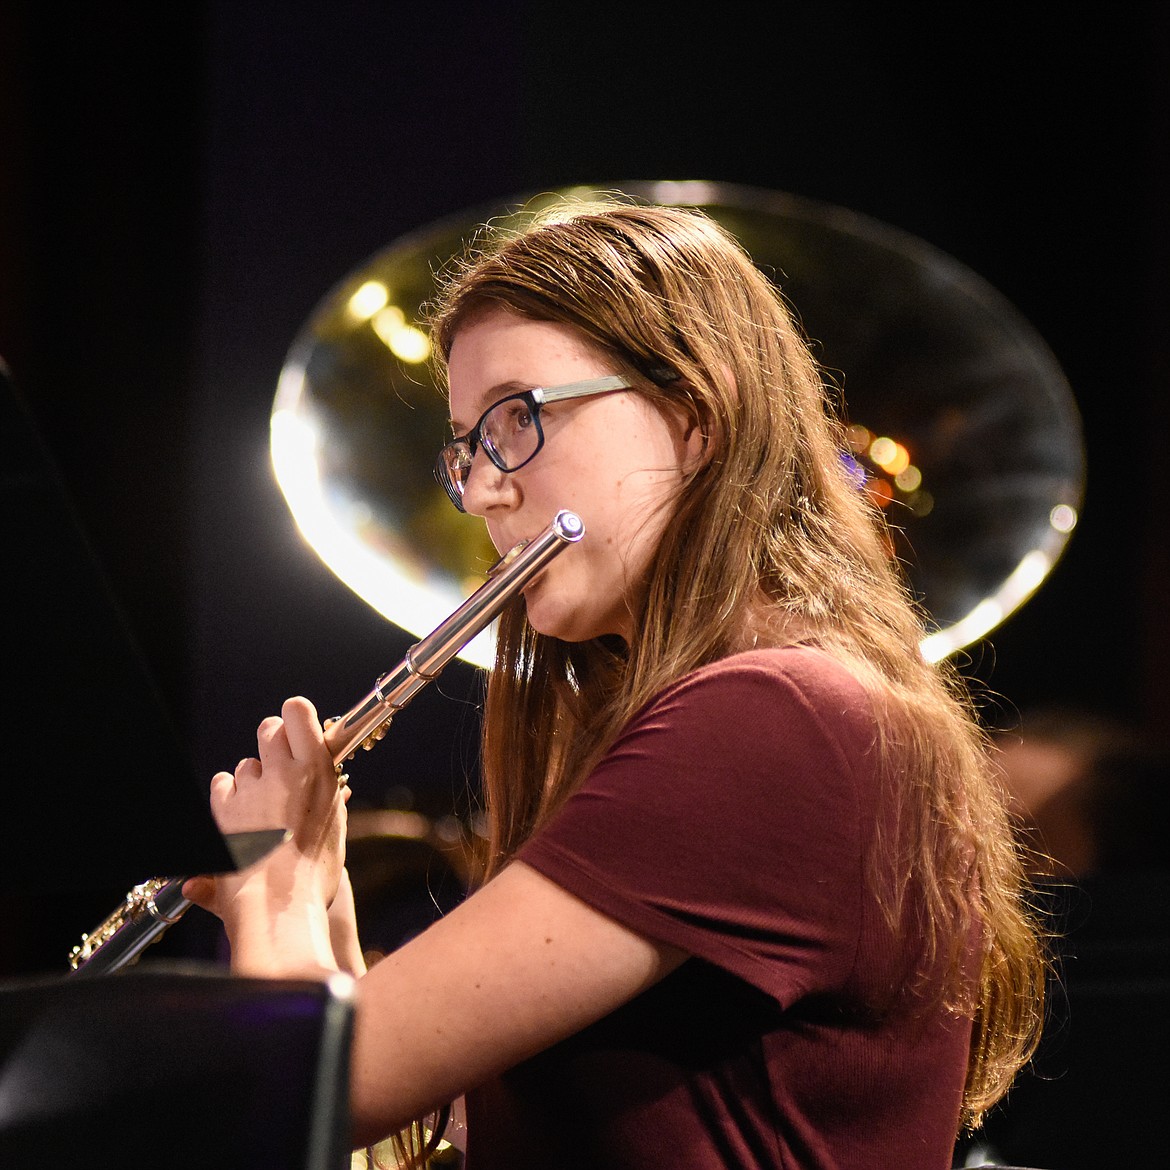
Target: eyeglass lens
509, 433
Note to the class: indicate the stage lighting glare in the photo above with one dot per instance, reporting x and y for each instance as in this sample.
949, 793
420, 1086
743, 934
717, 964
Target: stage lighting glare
880, 492
411, 345
367, 300
909, 479
694, 192
859, 438
405, 342
890, 456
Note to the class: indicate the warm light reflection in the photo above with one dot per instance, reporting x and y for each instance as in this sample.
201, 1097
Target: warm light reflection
900, 461
367, 300
883, 454
859, 438
411, 345
403, 340
889, 456
693, 192
386, 320
909, 479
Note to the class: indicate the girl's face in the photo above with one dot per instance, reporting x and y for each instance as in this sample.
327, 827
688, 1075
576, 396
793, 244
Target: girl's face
616, 460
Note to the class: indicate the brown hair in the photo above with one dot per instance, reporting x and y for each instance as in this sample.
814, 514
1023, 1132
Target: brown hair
770, 516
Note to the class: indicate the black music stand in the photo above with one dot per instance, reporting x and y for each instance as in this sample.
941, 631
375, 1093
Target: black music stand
186, 1069
97, 793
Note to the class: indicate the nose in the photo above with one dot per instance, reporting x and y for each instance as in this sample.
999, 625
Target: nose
487, 487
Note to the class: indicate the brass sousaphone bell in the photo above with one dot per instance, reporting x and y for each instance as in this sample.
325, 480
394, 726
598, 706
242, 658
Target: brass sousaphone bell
962, 424
962, 427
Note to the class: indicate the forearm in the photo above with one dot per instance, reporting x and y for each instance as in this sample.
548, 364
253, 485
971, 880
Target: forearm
279, 930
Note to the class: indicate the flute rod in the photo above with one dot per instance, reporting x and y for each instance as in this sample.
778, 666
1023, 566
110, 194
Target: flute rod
152, 907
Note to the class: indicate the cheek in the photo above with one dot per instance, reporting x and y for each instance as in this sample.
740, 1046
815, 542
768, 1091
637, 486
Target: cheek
646, 504
622, 545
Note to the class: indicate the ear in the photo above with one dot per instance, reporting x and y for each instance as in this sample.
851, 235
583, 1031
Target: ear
690, 438
692, 441
703, 433
694, 445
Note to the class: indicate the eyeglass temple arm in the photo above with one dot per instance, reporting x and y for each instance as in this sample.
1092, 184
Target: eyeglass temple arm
542, 394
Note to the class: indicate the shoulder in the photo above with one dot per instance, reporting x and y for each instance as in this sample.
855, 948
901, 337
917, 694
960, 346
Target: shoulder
806, 668
768, 692
754, 731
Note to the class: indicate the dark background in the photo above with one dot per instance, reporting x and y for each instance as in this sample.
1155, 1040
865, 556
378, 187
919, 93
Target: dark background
180, 186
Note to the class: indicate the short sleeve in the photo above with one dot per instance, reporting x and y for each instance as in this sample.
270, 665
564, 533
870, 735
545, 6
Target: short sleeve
732, 819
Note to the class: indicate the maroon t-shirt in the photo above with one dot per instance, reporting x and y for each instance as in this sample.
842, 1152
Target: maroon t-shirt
733, 819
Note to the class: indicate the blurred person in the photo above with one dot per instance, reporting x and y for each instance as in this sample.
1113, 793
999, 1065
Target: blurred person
1091, 794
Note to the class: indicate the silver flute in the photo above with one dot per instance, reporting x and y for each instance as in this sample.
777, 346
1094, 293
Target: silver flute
153, 906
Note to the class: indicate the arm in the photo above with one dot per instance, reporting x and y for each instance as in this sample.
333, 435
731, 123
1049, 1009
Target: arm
518, 966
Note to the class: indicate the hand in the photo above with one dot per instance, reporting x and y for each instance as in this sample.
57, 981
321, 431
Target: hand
343, 931
292, 785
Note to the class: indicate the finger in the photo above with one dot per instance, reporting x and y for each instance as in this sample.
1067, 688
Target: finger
272, 742
302, 728
223, 784
247, 769
201, 891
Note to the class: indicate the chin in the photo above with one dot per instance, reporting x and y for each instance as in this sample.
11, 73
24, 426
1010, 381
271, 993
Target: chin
565, 625
563, 610
560, 627
551, 617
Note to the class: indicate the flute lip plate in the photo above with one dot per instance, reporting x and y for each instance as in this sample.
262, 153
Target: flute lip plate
508, 557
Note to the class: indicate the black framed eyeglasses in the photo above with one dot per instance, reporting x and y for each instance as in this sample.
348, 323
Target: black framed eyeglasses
510, 433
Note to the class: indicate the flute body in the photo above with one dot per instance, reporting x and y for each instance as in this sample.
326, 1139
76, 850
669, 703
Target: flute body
150, 908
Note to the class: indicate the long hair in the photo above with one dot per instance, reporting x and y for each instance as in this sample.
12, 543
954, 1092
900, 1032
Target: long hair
770, 516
